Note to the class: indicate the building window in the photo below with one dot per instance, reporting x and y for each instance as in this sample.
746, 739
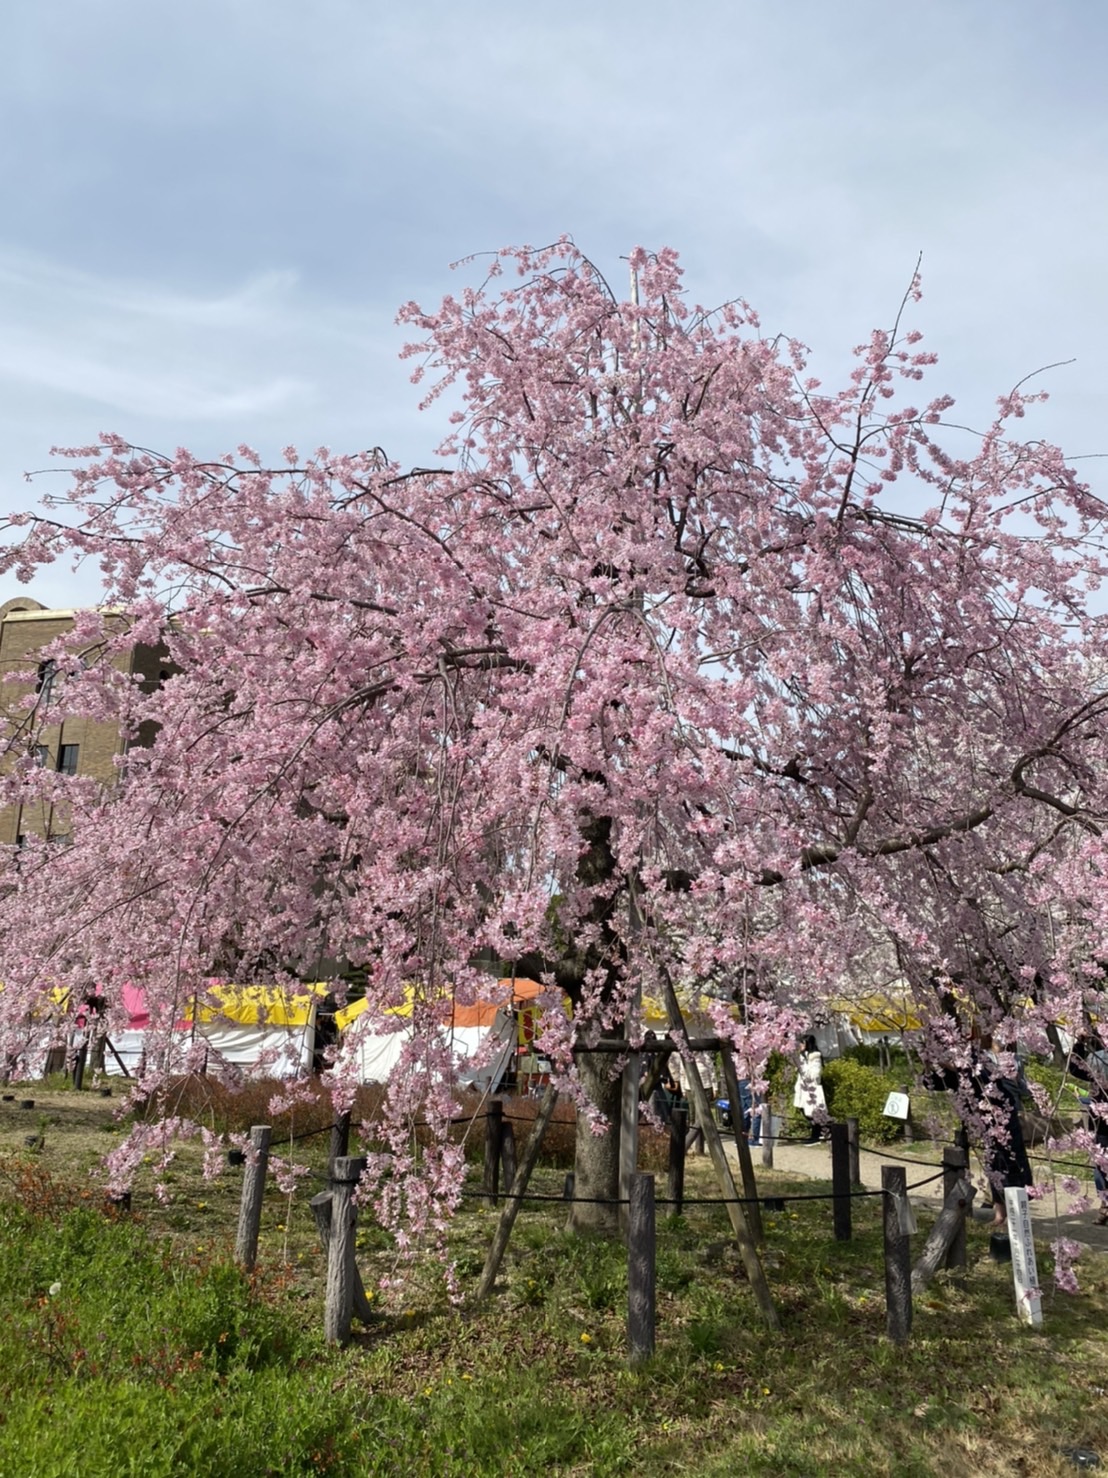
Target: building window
42, 756
44, 683
67, 758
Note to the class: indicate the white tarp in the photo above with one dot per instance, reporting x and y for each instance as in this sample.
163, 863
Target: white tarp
482, 1054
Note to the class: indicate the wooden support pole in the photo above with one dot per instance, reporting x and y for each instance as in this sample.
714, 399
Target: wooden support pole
675, 1181
494, 1144
840, 1181
628, 1136
742, 1145
640, 1269
339, 1306
898, 1263
512, 1202
253, 1189
855, 1149
769, 1129
748, 1248
508, 1155
322, 1211
340, 1142
955, 1167
119, 1061
950, 1222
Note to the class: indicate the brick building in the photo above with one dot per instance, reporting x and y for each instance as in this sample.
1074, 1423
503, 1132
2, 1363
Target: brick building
77, 746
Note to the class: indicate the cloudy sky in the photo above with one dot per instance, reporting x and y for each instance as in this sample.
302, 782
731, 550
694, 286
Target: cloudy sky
212, 210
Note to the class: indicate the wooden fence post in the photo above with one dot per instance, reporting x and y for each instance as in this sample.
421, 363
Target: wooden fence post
855, 1152
950, 1222
840, 1181
341, 1271
675, 1181
494, 1144
955, 1166
253, 1189
640, 1269
508, 1154
321, 1210
898, 1261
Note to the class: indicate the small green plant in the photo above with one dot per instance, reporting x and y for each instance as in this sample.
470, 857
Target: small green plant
855, 1091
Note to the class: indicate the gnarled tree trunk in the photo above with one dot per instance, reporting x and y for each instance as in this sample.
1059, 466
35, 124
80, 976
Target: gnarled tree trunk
596, 1162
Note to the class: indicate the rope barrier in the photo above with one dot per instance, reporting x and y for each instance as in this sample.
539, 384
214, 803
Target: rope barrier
308, 1134
905, 1159
929, 1181
691, 1200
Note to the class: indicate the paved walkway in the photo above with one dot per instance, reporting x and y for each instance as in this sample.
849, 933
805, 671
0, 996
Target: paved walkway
1050, 1215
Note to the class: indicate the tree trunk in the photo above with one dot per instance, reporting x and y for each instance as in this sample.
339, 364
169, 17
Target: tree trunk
596, 1156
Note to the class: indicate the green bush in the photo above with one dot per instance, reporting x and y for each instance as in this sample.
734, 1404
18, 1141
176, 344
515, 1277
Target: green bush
855, 1091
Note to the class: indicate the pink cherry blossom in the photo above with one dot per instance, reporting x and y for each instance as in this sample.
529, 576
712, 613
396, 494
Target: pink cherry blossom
670, 664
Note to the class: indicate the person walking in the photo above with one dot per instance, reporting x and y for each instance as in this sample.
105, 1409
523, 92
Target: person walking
808, 1095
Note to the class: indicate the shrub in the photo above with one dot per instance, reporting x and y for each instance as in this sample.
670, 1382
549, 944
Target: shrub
855, 1091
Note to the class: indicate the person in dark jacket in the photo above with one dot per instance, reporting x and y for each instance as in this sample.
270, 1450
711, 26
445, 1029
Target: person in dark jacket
1089, 1063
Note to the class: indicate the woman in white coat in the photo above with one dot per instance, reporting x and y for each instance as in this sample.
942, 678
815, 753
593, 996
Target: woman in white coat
808, 1093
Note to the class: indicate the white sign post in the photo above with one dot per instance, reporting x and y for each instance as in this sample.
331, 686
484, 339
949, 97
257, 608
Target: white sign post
1024, 1273
896, 1106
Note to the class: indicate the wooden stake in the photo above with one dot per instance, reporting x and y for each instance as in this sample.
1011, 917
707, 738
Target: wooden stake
494, 1135
512, 1203
855, 1149
341, 1272
675, 1183
955, 1166
322, 1211
840, 1181
898, 1265
640, 1269
508, 1154
747, 1247
253, 1189
746, 1164
950, 1223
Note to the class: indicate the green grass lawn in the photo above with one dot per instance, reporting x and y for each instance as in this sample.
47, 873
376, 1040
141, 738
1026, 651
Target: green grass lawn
132, 1345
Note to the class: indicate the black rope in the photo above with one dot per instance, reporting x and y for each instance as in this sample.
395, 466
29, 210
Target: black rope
929, 1181
905, 1159
686, 1200
308, 1134
1061, 1164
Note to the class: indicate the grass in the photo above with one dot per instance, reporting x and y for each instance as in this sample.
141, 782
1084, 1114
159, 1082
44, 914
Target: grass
155, 1355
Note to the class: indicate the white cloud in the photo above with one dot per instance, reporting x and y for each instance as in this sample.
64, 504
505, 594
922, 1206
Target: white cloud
213, 210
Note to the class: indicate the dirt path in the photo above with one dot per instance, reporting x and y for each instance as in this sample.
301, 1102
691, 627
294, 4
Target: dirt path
1050, 1215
